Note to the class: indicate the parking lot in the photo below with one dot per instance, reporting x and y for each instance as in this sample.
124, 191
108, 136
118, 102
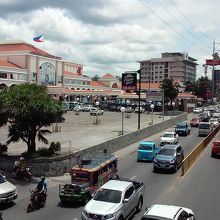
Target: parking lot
80, 131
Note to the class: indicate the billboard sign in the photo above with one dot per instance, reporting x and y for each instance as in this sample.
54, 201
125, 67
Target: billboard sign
129, 81
210, 62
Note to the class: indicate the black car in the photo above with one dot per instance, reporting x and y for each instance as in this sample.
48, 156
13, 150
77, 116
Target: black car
169, 157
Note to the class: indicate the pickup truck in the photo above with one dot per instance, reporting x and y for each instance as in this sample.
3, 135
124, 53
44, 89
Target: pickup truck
117, 199
182, 128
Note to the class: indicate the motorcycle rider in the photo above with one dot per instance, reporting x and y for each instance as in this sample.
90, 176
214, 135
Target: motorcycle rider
41, 189
16, 165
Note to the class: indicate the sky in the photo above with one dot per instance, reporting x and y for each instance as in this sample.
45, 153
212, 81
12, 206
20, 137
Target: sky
110, 36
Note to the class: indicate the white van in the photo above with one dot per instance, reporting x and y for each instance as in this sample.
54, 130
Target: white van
205, 128
216, 115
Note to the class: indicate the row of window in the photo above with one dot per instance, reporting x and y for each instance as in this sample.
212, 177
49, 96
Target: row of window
76, 82
17, 76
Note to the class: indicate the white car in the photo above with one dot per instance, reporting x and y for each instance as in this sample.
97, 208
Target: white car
8, 191
214, 121
142, 110
169, 137
87, 108
96, 111
161, 212
197, 110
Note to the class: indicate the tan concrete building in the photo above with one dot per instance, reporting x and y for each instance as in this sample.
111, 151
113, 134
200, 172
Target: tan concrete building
177, 66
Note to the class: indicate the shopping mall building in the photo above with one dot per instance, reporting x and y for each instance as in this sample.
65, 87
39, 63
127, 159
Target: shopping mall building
22, 62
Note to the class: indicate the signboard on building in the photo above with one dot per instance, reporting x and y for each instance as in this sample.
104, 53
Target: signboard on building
129, 81
210, 62
154, 96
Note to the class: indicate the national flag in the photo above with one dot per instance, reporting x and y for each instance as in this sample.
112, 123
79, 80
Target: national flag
39, 38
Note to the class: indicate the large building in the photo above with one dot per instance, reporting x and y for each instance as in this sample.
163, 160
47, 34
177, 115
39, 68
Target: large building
177, 66
21, 62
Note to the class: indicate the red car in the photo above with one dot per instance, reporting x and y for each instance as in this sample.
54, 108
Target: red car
215, 148
194, 122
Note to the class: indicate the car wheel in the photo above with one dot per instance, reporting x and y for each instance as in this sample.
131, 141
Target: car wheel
212, 155
139, 205
175, 168
85, 199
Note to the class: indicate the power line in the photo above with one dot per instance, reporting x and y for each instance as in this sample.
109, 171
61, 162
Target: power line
190, 22
182, 35
186, 28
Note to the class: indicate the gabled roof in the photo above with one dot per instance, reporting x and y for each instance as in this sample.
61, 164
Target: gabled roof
107, 75
24, 46
5, 63
97, 84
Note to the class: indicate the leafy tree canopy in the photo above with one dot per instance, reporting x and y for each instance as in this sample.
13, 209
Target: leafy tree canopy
95, 78
27, 108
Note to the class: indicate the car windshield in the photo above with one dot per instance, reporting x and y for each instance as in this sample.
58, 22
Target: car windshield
204, 126
2, 179
145, 147
167, 152
108, 195
180, 125
168, 135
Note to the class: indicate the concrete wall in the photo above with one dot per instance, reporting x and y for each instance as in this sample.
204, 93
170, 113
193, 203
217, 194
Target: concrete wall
60, 165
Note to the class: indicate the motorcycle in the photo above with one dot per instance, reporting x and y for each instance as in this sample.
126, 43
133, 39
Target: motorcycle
36, 201
24, 174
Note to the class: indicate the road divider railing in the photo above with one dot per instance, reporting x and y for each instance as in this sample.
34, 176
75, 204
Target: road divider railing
196, 152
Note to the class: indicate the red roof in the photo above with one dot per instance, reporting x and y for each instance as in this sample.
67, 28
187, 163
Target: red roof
4, 63
67, 73
21, 46
149, 85
108, 75
186, 94
97, 84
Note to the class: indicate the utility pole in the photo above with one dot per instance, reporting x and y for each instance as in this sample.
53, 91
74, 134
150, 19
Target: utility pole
213, 70
139, 100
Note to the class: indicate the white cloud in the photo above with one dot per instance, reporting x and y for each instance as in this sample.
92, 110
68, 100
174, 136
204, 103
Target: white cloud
111, 35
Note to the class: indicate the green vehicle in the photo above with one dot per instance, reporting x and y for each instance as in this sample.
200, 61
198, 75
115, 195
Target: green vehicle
74, 193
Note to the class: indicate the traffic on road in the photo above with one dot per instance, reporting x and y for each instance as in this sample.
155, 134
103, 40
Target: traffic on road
147, 175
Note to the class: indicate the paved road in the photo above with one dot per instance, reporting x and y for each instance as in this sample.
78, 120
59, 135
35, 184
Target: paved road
78, 131
160, 187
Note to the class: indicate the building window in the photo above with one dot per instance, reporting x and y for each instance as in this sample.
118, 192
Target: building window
47, 74
3, 75
60, 79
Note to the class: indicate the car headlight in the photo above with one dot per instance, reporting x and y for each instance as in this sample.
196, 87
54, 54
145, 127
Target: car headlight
155, 160
172, 161
85, 213
109, 216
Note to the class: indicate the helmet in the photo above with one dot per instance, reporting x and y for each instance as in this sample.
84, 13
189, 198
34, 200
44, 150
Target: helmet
21, 158
42, 178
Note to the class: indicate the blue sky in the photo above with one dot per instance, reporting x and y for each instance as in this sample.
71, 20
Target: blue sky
109, 36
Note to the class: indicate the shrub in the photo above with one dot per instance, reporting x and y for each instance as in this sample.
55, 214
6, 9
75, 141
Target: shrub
3, 148
55, 147
45, 152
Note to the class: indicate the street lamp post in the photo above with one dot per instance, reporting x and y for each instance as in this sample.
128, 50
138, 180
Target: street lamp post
122, 120
173, 105
152, 113
77, 109
97, 106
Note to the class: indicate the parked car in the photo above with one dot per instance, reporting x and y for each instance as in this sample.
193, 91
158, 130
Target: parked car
214, 122
197, 110
8, 191
205, 128
169, 212
215, 148
129, 110
96, 111
115, 200
169, 137
147, 150
194, 122
142, 110
169, 157
182, 128
77, 108
87, 108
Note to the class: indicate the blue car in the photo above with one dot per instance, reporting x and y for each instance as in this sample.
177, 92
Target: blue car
147, 150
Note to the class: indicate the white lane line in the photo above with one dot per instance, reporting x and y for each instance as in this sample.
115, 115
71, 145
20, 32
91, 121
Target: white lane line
133, 177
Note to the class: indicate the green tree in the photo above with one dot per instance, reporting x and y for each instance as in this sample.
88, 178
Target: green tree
95, 78
171, 90
190, 86
203, 87
27, 108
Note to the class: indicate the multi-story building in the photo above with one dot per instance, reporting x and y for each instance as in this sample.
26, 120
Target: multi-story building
177, 66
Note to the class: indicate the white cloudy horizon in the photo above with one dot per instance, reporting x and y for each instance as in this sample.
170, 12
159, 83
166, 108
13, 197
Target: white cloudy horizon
110, 36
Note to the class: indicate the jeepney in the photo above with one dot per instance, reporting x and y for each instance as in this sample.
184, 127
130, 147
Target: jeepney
87, 177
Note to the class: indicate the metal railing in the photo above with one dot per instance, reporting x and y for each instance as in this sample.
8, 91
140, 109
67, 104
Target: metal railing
192, 157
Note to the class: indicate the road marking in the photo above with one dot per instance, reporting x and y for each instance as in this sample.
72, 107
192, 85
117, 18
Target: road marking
133, 177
